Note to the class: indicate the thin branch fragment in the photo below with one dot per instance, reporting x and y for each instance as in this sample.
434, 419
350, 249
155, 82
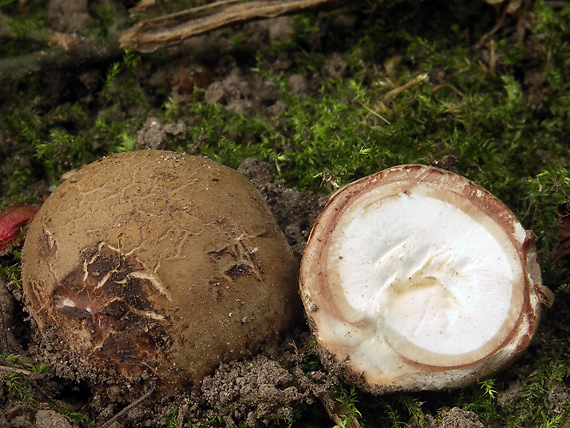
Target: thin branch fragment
337, 411
397, 91
149, 35
135, 403
375, 113
5, 367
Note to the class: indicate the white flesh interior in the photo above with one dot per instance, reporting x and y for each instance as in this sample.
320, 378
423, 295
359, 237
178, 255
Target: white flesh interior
436, 281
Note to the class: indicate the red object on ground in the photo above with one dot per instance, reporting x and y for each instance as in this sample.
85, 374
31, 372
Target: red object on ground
12, 220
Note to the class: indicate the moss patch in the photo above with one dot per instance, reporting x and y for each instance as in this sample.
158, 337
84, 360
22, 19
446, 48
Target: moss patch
478, 89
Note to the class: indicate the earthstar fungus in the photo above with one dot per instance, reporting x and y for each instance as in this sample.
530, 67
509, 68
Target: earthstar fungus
154, 264
416, 278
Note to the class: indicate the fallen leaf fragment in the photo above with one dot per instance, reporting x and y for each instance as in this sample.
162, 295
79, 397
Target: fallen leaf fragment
12, 220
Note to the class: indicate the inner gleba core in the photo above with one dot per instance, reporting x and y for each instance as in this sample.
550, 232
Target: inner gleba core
425, 275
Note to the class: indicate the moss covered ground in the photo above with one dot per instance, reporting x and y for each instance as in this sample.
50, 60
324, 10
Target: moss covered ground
480, 89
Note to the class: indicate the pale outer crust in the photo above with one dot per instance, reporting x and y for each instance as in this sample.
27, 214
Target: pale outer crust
184, 262
410, 375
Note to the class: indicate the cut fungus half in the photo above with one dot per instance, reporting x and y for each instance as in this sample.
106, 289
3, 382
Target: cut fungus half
417, 278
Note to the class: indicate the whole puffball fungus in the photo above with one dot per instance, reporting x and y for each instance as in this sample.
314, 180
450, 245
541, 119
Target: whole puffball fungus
416, 278
154, 264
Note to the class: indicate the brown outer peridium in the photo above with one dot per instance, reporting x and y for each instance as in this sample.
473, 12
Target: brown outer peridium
156, 264
316, 295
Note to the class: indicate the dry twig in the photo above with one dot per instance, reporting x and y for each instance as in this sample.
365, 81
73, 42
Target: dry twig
123, 412
397, 91
152, 34
5, 367
337, 411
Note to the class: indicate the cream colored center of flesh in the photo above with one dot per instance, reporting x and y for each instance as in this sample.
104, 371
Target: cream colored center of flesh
426, 277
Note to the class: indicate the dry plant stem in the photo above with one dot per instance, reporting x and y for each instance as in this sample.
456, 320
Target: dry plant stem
30, 377
193, 11
336, 410
5, 367
395, 92
127, 409
183, 411
446, 85
32, 383
375, 113
518, 9
153, 34
493, 30
150, 35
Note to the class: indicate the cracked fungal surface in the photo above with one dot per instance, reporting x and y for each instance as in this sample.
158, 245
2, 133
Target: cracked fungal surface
156, 265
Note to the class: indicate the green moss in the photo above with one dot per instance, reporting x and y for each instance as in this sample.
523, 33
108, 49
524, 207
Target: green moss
208, 421
348, 399
77, 417
121, 89
24, 29
496, 112
14, 381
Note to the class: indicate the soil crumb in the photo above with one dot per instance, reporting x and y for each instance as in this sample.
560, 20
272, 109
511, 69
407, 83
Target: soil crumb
266, 388
256, 390
457, 418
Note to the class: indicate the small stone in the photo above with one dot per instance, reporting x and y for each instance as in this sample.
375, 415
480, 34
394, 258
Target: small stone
51, 419
458, 418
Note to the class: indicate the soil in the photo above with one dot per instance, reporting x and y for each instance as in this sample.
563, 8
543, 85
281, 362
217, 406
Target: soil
267, 387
